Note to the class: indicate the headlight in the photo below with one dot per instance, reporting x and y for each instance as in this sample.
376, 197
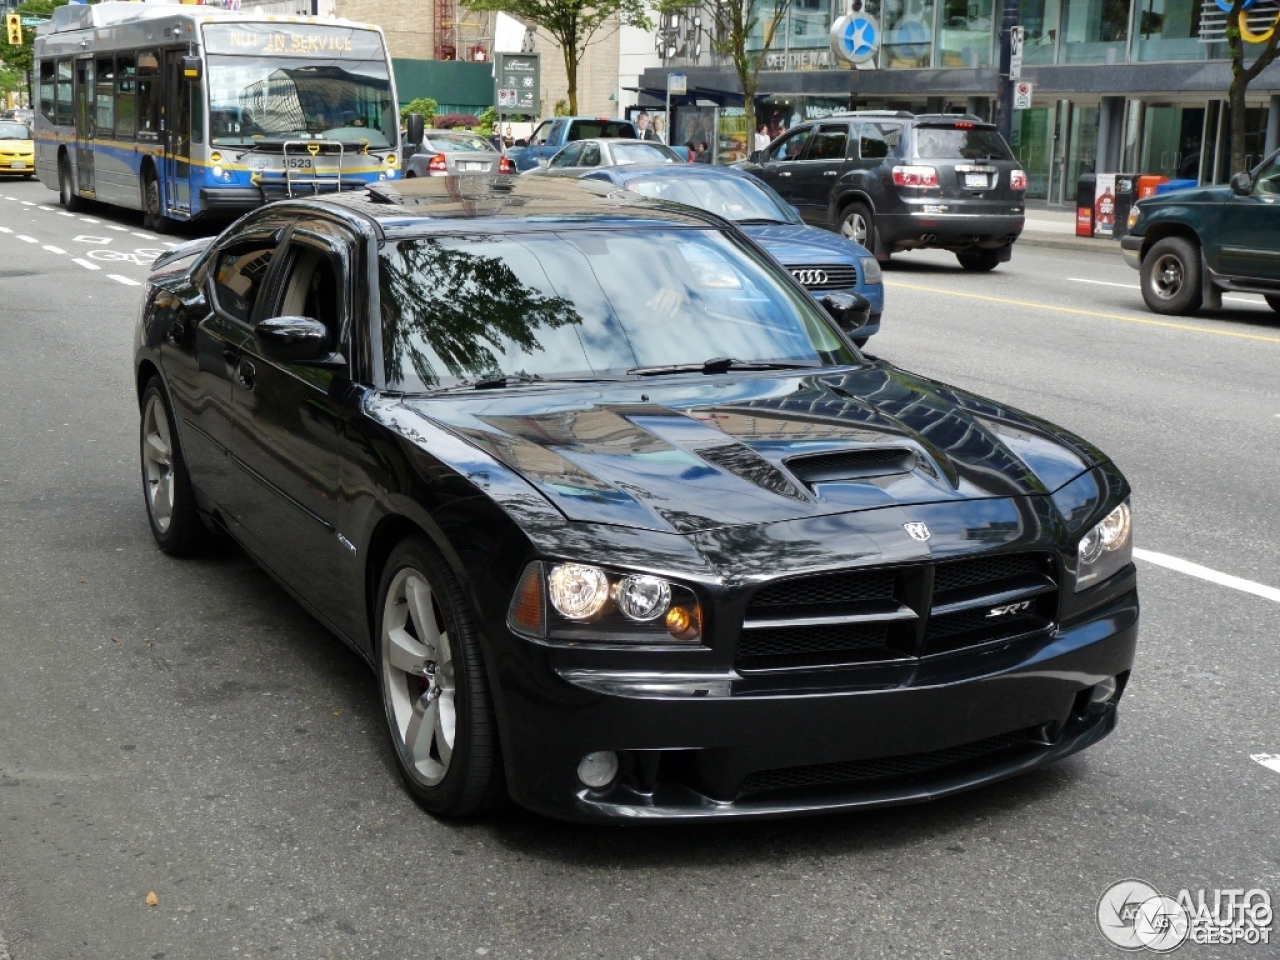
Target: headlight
588, 604
1106, 549
1134, 216
871, 270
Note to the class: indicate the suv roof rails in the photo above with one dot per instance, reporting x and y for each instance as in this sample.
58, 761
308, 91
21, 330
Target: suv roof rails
901, 114
952, 118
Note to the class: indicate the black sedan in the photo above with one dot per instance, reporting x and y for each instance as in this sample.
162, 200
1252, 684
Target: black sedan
622, 520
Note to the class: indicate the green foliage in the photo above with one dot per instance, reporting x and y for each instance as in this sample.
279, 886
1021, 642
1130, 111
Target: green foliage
423, 105
21, 59
488, 120
561, 109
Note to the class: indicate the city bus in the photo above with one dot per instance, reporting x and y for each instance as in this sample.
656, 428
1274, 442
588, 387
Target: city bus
188, 112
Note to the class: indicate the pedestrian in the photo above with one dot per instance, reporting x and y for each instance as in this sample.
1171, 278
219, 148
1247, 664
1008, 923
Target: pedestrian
693, 151
762, 137
704, 153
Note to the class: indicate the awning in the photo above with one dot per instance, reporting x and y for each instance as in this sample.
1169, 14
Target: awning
721, 98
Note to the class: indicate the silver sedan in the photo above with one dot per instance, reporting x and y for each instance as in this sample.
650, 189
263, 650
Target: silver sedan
447, 152
583, 156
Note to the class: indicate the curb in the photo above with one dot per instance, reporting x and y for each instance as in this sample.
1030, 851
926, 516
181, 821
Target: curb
1068, 242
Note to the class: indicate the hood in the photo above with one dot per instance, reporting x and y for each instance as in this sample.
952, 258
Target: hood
796, 244
691, 454
1190, 195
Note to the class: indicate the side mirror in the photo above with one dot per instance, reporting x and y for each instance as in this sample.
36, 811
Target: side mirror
416, 125
755, 156
521, 143
850, 311
293, 340
1242, 184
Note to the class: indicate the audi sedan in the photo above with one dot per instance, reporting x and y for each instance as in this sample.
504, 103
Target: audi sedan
622, 521
583, 156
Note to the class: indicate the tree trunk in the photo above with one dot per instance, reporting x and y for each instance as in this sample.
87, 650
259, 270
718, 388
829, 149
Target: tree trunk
1239, 84
749, 105
571, 75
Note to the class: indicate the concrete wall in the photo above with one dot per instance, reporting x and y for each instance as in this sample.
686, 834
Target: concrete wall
409, 28
597, 74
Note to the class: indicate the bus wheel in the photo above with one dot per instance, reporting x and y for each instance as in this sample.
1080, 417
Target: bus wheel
66, 189
152, 218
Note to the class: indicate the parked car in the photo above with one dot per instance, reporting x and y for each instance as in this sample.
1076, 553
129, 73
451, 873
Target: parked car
819, 259
445, 152
583, 156
1190, 245
17, 149
623, 523
550, 136
895, 181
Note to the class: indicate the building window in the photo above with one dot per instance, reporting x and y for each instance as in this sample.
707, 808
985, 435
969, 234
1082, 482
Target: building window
964, 33
1040, 23
1094, 31
808, 24
1168, 30
908, 33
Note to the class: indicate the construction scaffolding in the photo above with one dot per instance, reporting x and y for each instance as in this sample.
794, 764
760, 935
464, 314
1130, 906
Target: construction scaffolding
462, 34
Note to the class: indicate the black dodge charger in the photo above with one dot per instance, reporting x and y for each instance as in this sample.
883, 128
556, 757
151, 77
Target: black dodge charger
623, 521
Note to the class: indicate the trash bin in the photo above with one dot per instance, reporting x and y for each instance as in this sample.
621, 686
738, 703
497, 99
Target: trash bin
1147, 184
1085, 187
1126, 190
1171, 185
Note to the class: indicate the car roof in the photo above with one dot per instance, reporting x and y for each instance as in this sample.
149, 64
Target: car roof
697, 170
501, 204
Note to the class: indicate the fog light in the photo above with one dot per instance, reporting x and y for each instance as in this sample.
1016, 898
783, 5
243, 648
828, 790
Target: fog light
598, 769
217, 171
1103, 692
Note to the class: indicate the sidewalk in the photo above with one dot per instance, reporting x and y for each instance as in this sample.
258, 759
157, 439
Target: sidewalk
1056, 227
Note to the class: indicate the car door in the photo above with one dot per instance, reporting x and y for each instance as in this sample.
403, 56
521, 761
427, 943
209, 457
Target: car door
288, 422
563, 163
1249, 239
813, 177
783, 159
201, 352
879, 143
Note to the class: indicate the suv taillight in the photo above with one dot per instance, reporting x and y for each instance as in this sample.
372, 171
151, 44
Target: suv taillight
505, 165
1018, 180
438, 164
915, 176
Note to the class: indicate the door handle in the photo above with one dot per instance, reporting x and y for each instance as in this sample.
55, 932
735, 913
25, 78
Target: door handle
831, 173
244, 374
785, 173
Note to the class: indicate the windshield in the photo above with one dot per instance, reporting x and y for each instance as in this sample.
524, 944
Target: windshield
733, 198
959, 143
283, 81
458, 143
14, 131
564, 304
625, 154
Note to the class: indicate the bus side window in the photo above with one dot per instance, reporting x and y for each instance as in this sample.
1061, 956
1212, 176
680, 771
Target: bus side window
62, 112
105, 106
46, 89
148, 96
125, 81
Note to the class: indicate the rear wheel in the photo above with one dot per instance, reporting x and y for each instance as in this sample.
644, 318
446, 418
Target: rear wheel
979, 261
166, 485
66, 187
152, 217
857, 224
1171, 276
1273, 302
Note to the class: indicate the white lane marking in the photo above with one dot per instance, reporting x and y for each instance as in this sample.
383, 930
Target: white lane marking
46, 209
25, 239
63, 213
86, 238
112, 226
7, 230
53, 249
86, 264
1130, 286
27, 203
89, 220
10, 198
144, 236
1205, 573
168, 243
1269, 760
128, 282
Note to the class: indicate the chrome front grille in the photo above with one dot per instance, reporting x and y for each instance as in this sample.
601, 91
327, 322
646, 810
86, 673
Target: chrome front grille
826, 276
889, 614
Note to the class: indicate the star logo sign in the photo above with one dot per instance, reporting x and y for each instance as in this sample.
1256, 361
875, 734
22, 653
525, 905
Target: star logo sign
860, 37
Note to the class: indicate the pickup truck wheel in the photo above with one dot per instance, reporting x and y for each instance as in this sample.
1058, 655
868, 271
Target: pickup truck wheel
1171, 277
1273, 301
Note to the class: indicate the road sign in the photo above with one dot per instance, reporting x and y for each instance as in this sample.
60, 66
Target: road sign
1022, 95
516, 83
1017, 35
677, 84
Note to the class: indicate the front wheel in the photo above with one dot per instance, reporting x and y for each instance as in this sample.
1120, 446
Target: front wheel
979, 261
434, 687
166, 485
67, 195
1171, 277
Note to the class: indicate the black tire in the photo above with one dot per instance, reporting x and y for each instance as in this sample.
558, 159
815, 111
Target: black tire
1171, 277
152, 218
979, 261
858, 224
409, 175
1273, 301
472, 780
66, 188
182, 533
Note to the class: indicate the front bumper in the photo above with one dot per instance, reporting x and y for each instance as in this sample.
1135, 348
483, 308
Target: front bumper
1131, 248
692, 746
968, 231
20, 165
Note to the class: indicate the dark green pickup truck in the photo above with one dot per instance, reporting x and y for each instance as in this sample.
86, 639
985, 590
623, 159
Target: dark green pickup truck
1190, 245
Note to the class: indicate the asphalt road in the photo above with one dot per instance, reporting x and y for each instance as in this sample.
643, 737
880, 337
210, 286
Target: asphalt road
183, 728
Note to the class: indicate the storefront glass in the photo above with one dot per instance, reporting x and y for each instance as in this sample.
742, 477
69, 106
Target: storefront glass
908, 33
1171, 140
1040, 23
1083, 146
808, 24
964, 33
1032, 141
1094, 31
1168, 30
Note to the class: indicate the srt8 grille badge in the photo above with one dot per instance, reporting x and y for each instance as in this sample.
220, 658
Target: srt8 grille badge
1009, 609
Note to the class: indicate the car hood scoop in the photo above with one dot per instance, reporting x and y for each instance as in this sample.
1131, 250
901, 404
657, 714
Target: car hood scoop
693, 453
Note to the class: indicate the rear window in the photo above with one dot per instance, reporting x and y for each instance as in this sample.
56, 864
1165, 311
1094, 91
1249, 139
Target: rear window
459, 143
961, 143
595, 129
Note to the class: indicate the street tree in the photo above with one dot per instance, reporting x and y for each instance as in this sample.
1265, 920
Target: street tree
572, 24
1241, 75
20, 60
744, 32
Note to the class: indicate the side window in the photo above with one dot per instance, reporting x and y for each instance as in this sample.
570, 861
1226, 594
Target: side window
312, 290
104, 97
791, 147
539, 136
62, 108
828, 143
46, 89
568, 157
126, 90
238, 276
557, 128
590, 155
148, 96
871, 143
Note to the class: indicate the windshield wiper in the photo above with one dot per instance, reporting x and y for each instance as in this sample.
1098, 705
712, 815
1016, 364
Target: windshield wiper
721, 365
502, 381
756, 221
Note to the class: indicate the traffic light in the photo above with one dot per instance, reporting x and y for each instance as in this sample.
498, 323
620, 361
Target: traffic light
14, 22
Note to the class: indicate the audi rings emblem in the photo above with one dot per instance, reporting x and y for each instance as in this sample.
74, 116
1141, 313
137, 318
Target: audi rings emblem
810, 278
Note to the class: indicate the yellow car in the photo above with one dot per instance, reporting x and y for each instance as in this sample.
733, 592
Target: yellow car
17, 149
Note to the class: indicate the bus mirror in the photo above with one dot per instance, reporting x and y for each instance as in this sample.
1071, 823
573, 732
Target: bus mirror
191, 68
417, 128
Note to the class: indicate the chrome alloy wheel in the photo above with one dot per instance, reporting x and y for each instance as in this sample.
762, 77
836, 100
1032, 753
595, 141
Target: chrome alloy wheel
417, 673
854, 227
1167, 277
157, 463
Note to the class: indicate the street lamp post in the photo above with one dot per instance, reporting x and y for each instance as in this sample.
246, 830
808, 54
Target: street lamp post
1004, 94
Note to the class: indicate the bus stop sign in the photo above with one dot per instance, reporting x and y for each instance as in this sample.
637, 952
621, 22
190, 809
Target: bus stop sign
516, 78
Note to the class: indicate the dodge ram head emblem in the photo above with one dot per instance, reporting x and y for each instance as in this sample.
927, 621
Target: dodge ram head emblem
917, 530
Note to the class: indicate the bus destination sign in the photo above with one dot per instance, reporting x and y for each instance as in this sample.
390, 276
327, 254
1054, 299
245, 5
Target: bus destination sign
292, 40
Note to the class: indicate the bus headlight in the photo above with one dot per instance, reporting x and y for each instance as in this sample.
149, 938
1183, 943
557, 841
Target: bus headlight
217, 171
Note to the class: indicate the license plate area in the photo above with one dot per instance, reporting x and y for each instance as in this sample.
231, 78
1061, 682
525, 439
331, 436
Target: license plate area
473, 166
977, 181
